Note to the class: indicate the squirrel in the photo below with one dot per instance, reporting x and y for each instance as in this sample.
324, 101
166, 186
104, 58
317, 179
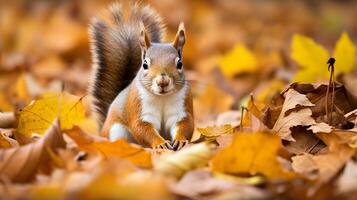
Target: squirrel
138, 87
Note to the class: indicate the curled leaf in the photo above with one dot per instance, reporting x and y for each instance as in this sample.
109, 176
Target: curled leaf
19, 164
178, 163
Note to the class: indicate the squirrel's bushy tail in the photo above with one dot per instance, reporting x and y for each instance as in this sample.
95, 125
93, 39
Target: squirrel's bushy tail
116, 53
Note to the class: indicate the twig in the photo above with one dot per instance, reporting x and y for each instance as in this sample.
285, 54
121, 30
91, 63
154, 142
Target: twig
331, 69
241, 117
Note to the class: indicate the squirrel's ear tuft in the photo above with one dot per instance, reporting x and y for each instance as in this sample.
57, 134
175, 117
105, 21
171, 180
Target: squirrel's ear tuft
180, 38
144, 38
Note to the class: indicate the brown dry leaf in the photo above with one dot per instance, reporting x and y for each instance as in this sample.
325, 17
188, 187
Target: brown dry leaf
14, 162
306, 142
7, 120
289, 119
119, 148
320, 128
316, 93
201, 184
178, 163
247, 154
7, 142
324, 166
252, 119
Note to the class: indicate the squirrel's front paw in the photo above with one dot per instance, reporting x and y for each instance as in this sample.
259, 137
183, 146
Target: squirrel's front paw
179, 144
164, 145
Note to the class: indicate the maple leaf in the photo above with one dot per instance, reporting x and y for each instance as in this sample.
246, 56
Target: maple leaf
239, 60
312, 57
38, 115
247, 155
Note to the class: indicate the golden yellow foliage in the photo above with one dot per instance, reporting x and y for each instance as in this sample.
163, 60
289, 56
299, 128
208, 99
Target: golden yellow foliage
253, 153
344, 54
122, 149
239, 60
39, 114
312, 57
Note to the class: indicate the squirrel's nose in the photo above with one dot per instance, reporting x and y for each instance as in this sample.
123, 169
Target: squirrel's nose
163, 83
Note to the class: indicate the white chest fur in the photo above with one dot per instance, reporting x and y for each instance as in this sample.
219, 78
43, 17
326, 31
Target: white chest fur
162, 111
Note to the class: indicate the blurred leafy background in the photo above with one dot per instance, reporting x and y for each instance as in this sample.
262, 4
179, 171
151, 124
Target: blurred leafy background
236, 47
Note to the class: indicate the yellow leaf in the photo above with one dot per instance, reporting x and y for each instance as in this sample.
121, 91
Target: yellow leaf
239, 60
344, 54
39, 114
122, 149
312, 58
253, 153
210, 133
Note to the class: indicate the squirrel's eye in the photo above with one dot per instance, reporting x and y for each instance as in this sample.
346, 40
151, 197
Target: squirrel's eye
179, 64
145, 66
146, 63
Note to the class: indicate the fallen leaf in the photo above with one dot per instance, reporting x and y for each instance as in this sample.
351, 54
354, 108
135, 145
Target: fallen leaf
119, 148
247, 154
7, 142
178, 163
122, 149
300, 117
312, 58
37, 116
239, 60
202, 184
14, 163
306, 142
325, 165
320, 128
344, 53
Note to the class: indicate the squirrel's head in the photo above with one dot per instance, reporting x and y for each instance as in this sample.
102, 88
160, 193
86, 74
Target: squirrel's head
162, 68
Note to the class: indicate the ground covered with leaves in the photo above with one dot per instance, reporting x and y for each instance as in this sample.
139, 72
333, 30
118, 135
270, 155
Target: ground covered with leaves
276, 116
